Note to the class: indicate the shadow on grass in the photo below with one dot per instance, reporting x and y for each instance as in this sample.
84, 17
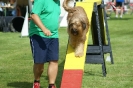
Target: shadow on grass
90, 73
20, 85
29, 85
113, 18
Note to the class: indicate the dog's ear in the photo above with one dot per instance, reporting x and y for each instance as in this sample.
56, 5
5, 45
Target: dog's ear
83, 25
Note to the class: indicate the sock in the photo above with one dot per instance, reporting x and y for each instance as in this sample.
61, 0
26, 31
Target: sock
50, 85
37, 81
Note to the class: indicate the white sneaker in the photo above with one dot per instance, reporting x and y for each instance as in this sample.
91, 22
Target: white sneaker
116, 16
121, 16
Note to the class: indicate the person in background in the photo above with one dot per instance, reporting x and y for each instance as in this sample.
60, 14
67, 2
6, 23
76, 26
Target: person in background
1, 10
119, 5
12, 10
43, 34
108, 8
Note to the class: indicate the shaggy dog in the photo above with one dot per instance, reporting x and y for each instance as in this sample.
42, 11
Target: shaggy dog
78, 25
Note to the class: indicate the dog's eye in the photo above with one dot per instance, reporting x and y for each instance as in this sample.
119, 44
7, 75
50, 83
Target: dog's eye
83, 25
70, 25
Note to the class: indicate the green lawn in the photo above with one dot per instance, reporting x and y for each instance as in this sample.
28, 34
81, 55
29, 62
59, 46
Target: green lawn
16, 59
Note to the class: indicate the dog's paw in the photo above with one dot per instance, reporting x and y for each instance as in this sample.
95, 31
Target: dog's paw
79, 54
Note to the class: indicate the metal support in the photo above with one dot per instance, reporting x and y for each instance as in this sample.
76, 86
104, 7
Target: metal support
107, 34
99, 39
95, 54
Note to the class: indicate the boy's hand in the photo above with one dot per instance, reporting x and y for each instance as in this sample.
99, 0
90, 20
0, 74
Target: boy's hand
47, 32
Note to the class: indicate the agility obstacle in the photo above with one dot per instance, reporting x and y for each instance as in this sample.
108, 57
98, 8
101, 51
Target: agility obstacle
93, 54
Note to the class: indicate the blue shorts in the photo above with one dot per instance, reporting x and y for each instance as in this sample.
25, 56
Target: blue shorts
44, 49
119, 4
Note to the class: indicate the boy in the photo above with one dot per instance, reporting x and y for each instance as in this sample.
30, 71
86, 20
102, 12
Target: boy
44, 39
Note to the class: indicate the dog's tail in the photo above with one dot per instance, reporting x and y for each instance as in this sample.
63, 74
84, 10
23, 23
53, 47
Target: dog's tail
67, 7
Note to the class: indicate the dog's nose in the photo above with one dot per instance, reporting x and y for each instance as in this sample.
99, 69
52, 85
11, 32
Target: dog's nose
74, 31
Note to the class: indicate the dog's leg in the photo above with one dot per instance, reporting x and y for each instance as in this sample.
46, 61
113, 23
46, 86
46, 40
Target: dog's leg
79, 50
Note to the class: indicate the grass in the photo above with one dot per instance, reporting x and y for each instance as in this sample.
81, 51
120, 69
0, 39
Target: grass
119, 74
16, 59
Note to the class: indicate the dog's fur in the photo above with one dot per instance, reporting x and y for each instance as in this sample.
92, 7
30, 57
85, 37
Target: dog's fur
78, 25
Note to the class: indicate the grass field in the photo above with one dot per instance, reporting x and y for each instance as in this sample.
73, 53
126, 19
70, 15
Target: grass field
16, 59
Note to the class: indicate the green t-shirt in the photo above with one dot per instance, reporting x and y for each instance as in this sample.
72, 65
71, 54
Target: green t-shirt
49, 13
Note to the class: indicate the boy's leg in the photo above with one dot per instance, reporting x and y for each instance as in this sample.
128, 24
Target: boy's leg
52, 71
38, 70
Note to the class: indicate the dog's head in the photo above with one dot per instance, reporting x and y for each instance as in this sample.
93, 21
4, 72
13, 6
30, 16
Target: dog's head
76, 27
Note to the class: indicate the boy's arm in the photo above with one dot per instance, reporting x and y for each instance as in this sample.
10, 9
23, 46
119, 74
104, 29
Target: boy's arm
39, 23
